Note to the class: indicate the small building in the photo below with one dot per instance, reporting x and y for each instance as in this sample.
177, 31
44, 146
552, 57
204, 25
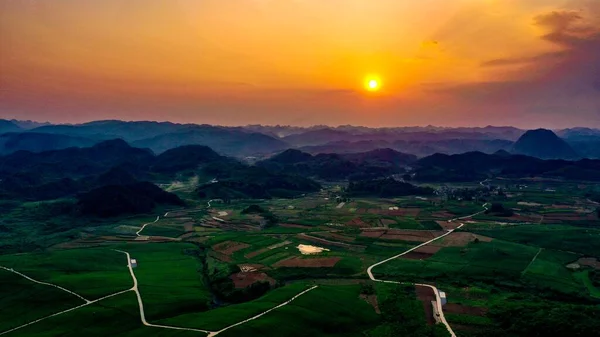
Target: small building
442, 297
133, 263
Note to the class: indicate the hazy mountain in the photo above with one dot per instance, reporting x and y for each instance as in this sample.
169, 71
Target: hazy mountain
318, 137
578, 133
228, 141
39, 142
27, 125
476, 166
388, 156
347, 147
185, 158
74, 162
129, 131
8, 126
329, 166
544, 144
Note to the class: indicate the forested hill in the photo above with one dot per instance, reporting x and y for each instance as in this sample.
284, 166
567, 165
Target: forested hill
474, 166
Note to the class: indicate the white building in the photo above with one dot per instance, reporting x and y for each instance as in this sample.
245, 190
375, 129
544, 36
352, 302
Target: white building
442, 297
133, 263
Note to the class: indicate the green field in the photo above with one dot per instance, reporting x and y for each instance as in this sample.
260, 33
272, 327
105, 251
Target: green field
220, 318
170, 279
91, 272
325, 311
116, 316
24, 301
470, 262
559, 237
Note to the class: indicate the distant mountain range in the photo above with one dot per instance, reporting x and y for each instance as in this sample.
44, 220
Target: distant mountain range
256, 142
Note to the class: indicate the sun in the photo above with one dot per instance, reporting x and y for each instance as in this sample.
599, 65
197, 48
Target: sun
372, 83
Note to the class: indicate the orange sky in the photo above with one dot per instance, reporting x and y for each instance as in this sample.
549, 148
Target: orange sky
232, 62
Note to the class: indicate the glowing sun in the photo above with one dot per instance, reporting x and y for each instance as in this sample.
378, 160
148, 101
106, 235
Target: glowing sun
372, 83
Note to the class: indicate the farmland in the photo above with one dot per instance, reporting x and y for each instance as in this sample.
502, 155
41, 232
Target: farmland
210, 267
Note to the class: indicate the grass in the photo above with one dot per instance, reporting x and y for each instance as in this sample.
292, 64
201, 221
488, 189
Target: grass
22, 301
549, 271
558, 237
170, 279
91, 272
325, 311
116, 316
584, 277
220, 318
161, 230
482, 260
468, 320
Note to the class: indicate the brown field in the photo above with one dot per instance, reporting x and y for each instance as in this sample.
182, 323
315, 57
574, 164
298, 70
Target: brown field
461, 239
328, 242
188, 226
590, 262
454, 308
220, 257
372, 300
299, 262
356, 222
426, 295
255, 253
243, 280
448, 225
443, 214
410, 235
372, 234
254, 266
229, 247
422, 253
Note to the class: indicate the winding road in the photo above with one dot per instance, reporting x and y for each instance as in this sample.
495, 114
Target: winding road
149, 223
135, 289
435, 290
210, 333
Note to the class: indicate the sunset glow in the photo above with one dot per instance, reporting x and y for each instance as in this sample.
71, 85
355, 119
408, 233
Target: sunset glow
237, 62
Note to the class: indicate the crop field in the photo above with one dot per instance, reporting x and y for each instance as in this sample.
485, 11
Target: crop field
170, 278
197, 272
559, 237
471, 261
91, 272
222, 317
325, 311
116, 316
24, 301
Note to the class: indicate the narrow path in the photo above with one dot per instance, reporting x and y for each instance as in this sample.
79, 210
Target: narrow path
146, 224
212, 334
435, 290
63, 312
532, 261
46, 284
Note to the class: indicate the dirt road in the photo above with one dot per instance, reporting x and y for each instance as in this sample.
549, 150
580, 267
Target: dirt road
435, 290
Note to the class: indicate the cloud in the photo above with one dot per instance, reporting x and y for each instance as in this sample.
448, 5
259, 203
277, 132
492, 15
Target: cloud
558, 87
553, 56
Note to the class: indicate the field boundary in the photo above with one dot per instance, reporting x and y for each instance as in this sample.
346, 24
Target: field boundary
531, 262
46, 283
